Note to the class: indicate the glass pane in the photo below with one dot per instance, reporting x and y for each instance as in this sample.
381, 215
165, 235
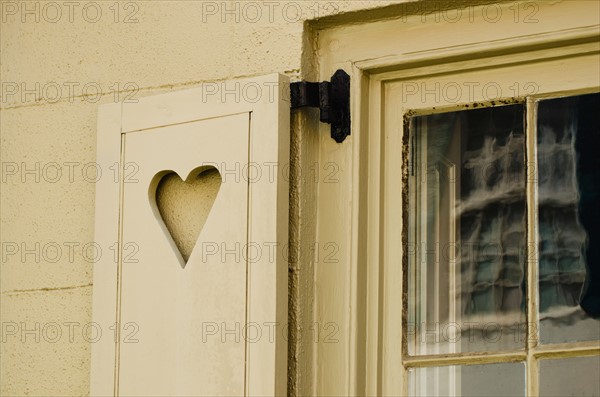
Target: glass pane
570, 377
467, 231
569, 218
491, 380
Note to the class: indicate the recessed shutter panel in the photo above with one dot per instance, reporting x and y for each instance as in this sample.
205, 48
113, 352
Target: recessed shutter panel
194, 300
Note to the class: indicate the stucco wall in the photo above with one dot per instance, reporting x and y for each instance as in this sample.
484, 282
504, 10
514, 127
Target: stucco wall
58, 62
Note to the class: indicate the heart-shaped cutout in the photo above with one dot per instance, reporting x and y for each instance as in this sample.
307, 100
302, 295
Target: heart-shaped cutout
184, 206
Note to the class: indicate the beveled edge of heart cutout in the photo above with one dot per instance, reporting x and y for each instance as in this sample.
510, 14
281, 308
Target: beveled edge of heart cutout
153, 190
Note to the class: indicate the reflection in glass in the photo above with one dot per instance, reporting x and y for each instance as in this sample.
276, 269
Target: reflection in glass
570, 377
491, 380
569, 218
467, 231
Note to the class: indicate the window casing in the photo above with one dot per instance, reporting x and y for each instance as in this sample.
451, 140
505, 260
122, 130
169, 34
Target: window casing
504, 62
514, 328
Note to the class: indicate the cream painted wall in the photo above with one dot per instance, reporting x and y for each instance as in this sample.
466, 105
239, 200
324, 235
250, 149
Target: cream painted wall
54, 60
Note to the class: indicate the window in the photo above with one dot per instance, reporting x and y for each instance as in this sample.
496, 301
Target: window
436, 92
468, 245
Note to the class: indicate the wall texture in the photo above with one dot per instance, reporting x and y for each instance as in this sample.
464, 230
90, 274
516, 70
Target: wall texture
58, 62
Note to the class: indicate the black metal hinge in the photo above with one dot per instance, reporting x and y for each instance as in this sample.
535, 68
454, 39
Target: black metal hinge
331, 97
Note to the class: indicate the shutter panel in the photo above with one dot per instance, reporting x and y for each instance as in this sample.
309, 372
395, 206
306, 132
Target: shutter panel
197, 293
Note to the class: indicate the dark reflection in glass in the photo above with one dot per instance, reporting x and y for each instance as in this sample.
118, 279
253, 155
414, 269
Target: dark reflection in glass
492, 209
569, 218
467, 222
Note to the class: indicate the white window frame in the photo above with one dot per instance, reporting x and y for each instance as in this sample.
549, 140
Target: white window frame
369, 358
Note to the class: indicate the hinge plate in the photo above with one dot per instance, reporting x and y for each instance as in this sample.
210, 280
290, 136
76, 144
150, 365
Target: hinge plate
331, 97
